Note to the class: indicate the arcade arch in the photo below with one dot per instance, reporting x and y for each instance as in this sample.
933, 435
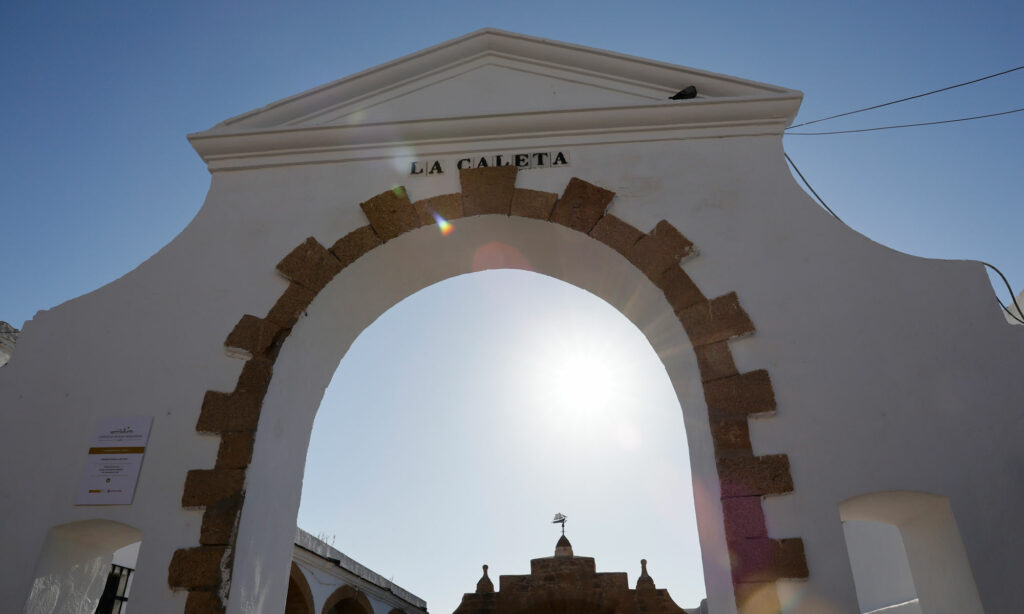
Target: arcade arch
347, 600
300, 598
584, 246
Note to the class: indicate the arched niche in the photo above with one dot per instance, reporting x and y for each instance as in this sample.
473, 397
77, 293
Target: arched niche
72, 568
898, 533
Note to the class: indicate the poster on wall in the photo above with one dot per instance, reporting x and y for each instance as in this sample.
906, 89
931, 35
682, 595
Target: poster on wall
114, 461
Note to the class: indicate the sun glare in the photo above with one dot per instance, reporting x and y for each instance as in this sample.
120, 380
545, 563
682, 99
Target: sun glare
579, 389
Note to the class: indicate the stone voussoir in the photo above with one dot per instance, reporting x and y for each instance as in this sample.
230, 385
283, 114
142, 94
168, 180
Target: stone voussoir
196, 568
718, 319
310, 265
745, 394
253, 335
224, 412
679, 289
715, 361
219, 520
616, 234
235, 450
290, 305
208, 486
731, 437
747, 476
661, 248
352, 246
203, 602
764, 559
487, 190
744, 518
581, 206
532, 203
446, 206
756, 597
391, 213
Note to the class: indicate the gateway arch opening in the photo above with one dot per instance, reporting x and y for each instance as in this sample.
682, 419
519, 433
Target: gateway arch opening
520, 396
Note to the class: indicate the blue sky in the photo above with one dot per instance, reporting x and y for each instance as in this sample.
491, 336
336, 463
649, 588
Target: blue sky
97, 175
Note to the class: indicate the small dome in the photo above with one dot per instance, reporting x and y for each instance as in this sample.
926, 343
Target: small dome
485, 585
563, 547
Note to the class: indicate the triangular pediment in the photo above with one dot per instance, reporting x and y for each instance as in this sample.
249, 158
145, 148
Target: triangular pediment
492, 72
489, 83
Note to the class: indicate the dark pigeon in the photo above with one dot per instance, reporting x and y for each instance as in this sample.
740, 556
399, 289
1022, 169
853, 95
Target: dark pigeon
685, 93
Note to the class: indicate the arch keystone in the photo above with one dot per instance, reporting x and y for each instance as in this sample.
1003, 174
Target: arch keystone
487, 190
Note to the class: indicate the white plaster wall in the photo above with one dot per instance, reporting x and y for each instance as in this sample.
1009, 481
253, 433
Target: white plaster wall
891, 372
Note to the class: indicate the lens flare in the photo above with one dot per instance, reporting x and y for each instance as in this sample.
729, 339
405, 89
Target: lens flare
443, 225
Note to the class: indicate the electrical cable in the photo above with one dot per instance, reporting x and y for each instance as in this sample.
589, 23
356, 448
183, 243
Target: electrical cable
804, 179
1009, 289
1013, 297
885, 104
945, 121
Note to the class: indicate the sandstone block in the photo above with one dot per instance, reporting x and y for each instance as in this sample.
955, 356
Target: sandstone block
235, 450
730, 436
253, 335
745, 394
659, 249
219, 520
715, 361
208, 486
193, 568
744, 518
310, 265
582, 204
757, 598
616, 234
487, 190
766, 560
719, 319
224, 412
203, 602
349, 248
748, 476
679, 289
533, 203
448, 206
291, 304
391, 214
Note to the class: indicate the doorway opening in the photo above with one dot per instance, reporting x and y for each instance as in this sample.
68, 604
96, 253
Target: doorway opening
906, 554
521, 396
85, 566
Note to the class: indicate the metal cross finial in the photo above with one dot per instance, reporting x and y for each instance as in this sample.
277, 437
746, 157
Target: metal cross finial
560, 519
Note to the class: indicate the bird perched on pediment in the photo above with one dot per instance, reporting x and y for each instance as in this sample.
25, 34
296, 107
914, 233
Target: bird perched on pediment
686, 93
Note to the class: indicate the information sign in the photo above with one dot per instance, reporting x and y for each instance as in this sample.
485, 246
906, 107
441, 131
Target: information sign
114, 460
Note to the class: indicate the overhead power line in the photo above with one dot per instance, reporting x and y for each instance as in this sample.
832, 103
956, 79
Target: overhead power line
944, 121
804, 179
1013, 297
892, 102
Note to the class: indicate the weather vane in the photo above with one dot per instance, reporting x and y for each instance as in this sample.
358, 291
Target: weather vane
560, 519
